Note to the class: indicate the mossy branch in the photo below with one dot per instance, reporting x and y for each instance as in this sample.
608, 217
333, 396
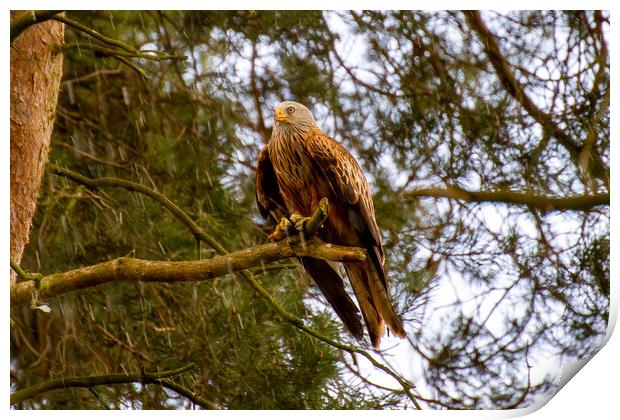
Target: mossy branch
106, 40
133, 269
121, 53
158, 378
28, 18
540, 202
132, 66
114, 48
21, 273
119, 48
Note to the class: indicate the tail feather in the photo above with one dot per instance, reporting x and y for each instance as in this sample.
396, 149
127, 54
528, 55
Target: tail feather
361, 288
331, 285
374, 302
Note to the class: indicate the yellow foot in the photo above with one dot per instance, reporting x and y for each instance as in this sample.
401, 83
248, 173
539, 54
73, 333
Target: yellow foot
293, 225
281, 230
299, 221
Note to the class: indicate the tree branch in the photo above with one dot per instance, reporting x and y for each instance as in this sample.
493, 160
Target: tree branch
28, 18
586, 151
102, 38
542, 203
516, 90
112, 379
22, 273
133, 269
299, 323
186, 392
132, 66
121, 53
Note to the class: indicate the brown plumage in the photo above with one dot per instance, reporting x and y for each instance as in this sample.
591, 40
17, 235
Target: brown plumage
299, 166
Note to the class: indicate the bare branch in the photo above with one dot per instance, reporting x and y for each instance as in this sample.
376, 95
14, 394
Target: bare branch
542, 203
516, 90
95, 75
186, 392
586, 151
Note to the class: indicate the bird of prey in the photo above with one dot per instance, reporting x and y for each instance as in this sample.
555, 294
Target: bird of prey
297, 168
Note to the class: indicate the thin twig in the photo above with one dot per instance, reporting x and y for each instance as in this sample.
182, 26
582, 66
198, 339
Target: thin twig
121, 53
93, 75
99, 397
517, 91
95, 34
187, 393
540, 202
86, 154
132, 66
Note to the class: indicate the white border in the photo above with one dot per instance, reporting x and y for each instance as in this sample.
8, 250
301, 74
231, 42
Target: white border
593, 392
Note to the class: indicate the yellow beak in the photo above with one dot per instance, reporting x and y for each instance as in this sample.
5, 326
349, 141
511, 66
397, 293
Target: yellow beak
280, 115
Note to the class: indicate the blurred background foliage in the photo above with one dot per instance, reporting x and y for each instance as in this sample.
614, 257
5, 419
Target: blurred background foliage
488, 290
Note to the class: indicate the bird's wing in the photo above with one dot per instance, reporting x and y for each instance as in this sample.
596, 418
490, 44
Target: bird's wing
271, 205
353, 201
268, 197
349, 185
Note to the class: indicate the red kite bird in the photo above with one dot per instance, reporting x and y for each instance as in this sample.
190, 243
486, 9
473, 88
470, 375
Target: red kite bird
299, 166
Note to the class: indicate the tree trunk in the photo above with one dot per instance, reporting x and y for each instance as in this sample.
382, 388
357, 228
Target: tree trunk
36, 69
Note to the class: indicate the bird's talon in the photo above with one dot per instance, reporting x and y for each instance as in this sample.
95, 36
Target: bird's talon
299, 221
281, 230
300, 225
295, 217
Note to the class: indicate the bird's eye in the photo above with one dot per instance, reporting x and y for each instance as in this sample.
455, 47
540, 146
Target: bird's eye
290, 109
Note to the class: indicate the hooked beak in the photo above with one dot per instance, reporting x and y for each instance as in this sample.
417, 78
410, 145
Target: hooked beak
280, 115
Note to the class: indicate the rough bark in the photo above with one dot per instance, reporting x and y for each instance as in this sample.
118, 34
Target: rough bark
36, 69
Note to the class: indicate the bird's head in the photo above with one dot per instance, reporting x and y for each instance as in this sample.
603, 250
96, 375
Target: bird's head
294, 115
